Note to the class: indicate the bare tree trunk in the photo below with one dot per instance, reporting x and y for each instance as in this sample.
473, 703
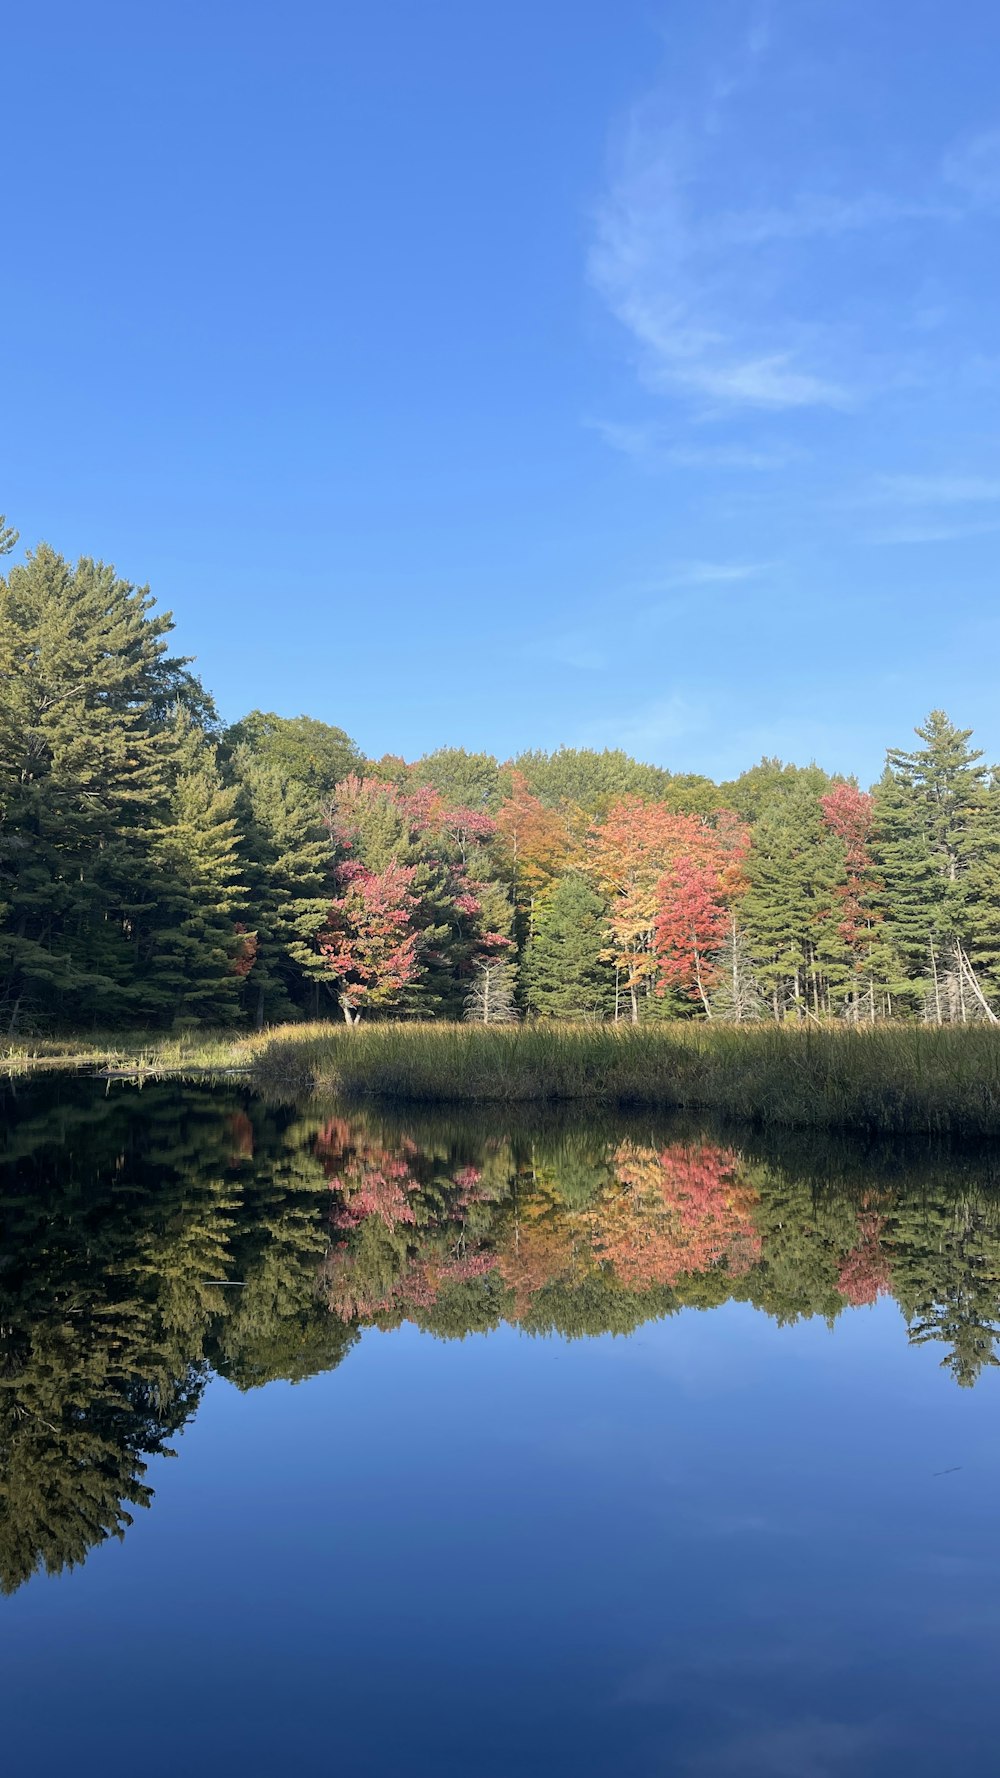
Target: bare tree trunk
634, 999
700, 984
617, 991
937, 987
965, 967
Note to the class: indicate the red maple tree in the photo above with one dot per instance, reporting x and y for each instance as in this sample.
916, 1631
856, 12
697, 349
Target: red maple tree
368, 942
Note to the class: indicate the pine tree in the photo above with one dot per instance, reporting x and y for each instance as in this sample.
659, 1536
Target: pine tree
195, 954
84, 676
286, 865
566, 975
789, 912
940, 856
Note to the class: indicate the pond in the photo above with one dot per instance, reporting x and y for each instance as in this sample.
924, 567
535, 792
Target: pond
344, 1440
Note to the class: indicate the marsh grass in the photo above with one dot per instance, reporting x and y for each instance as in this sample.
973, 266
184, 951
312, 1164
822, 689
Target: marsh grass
132, 1053
887, 1078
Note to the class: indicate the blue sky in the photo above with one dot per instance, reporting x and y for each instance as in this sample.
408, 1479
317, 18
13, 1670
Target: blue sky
608, 374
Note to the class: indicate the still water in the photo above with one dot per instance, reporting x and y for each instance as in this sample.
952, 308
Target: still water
335, 1441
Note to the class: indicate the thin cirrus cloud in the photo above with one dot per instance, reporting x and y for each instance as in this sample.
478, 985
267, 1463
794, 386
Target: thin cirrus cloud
934, 505
668, 273
653, 447
585, 649
702, 574
724, 303
931, 532
972, 167
938, 490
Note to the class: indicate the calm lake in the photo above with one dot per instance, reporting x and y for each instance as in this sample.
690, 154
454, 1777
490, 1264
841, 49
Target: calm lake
344, 1441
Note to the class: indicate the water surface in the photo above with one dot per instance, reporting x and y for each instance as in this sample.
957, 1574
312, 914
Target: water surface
626, 1446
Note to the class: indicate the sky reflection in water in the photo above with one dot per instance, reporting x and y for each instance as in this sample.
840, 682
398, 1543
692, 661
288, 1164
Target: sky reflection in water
756, 1540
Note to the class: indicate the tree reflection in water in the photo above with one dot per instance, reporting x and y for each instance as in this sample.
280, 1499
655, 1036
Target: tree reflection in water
153, 1238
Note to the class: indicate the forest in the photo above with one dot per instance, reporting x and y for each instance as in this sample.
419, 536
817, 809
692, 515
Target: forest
162, 870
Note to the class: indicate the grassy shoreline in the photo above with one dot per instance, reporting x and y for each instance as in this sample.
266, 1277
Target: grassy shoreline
889, 1079
899, 1078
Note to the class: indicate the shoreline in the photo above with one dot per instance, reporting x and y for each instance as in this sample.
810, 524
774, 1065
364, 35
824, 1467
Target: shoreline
887, 1079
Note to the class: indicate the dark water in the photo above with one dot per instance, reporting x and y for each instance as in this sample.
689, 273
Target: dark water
501, 1449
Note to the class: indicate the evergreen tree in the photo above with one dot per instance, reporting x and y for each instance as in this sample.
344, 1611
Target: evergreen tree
196, 957
789, 912
566, 975
940, 855
84, 678
286, 860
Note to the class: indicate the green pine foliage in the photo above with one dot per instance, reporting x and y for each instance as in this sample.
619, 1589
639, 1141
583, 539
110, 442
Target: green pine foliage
196, 942
789, 913
566, 975
84, 677
941, 859
285, 860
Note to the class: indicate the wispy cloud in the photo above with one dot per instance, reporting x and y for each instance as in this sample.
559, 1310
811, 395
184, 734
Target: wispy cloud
931, 532
651, 446
667, 266
647, 732
938, 490
585, 650
972, 168
718, 304
703, 574
585, 647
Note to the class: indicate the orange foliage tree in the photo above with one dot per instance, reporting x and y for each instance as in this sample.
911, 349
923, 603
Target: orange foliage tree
537, 840
673, 1211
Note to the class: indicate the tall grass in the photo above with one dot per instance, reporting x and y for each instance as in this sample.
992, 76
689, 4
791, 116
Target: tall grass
886, 1078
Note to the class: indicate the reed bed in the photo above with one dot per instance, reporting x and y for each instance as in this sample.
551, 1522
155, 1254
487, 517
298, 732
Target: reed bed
885, 1078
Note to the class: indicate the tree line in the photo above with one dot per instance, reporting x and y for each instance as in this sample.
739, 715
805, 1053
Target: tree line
160, 869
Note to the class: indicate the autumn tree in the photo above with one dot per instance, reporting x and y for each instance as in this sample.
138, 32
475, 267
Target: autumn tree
695, 897
369, 944
849, 813
537, 843
460, 907
648, 861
